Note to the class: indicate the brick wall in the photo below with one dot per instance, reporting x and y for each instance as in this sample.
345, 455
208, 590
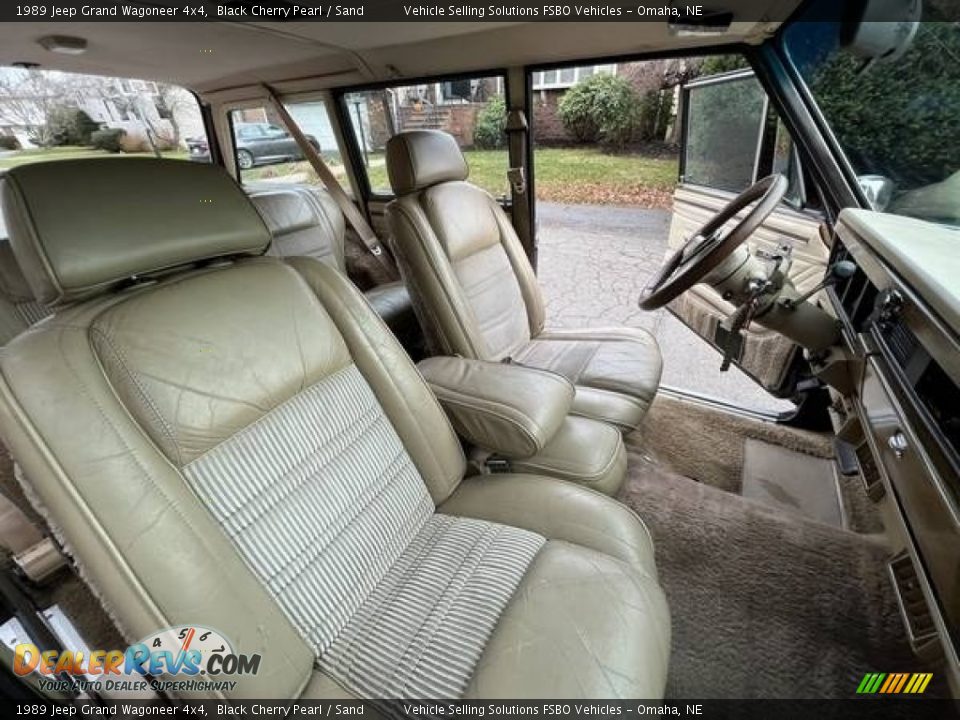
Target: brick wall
547, 126
458, 120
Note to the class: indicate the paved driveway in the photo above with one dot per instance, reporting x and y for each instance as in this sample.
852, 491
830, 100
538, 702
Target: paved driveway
593, 263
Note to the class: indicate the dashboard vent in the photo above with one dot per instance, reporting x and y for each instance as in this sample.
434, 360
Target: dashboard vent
857, 294
869, 473
921, 630
902, 343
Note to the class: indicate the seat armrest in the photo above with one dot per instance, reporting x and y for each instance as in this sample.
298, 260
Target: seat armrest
511, 410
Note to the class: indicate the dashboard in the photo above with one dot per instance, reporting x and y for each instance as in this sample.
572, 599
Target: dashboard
900, 313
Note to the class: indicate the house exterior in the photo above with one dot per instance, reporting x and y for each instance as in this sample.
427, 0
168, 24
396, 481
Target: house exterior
167, 113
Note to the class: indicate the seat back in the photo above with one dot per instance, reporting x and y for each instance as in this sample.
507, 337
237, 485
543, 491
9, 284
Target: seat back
304, 222
220, 438
18, 308
471, 283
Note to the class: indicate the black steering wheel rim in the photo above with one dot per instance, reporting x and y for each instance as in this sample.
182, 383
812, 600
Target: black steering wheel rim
710, 245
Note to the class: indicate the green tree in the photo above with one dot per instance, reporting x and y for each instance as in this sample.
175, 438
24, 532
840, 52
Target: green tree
716, 64
605, 109
898, 119
68, 125
489, 133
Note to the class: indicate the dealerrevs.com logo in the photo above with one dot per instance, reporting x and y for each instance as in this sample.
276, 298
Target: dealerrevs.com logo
185, 657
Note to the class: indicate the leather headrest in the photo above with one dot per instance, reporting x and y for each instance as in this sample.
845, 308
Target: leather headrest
417, 159
80, 226
285, 209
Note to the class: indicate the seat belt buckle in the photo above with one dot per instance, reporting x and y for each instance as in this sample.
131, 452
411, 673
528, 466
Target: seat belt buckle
38, 562
497, 466
518, 180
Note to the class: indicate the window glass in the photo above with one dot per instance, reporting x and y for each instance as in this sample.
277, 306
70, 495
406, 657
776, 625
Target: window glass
473, 111
725, 118
897, 121
48, 115
266, 152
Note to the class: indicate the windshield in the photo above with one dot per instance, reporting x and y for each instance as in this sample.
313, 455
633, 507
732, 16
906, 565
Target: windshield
896, 119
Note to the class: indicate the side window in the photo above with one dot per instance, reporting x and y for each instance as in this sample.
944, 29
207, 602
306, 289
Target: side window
725, 115
733, 138
472, 110
48, 115
266, 152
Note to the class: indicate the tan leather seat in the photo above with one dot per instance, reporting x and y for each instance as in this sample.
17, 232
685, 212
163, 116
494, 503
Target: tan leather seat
306, 222
18, 309
476, 292
236, 441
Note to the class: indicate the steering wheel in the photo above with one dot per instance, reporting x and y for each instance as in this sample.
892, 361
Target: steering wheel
712, 243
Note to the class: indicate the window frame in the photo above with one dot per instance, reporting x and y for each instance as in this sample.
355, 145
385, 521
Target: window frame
558, 84
226, 112
772, 121
354, 153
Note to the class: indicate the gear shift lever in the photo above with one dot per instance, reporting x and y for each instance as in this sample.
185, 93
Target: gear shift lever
838, 271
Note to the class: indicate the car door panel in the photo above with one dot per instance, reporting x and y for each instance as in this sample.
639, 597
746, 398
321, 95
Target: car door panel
766, 355
731, 139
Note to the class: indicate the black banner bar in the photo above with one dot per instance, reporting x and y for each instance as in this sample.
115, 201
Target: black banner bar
685, 16
874, 708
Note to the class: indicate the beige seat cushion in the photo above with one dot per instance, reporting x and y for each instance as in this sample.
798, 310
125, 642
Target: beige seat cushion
616, 370
598, 555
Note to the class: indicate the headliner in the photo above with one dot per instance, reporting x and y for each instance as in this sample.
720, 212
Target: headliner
210, 56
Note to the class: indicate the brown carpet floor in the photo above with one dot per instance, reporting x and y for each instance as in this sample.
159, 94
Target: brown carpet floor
65, 589
706, 444
765, 604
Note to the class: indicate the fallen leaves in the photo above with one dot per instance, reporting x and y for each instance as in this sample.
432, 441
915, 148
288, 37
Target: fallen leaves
599, 193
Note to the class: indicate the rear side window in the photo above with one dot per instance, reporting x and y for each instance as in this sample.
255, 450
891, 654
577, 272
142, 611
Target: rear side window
473, 110
266, 152
49, 115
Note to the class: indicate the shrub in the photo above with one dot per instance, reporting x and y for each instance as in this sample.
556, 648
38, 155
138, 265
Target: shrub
656, 111
603, 109
9, 142
489, 133
134, 142
107, 139
70, 126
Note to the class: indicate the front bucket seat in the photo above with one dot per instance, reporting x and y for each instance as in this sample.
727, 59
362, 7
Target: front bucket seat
477, 294
236, 441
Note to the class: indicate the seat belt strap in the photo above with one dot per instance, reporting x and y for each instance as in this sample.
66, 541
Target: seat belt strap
516, 129
35, 554
356, 219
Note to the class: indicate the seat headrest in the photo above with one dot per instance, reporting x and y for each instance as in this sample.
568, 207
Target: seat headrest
80, 226
417, 159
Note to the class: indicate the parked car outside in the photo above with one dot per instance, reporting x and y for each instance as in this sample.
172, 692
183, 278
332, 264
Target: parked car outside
257, 144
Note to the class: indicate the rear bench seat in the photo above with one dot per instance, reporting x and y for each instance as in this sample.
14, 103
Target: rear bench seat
304, 221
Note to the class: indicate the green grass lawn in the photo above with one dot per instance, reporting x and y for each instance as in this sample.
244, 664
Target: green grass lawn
568, 175
572, 175
22, 157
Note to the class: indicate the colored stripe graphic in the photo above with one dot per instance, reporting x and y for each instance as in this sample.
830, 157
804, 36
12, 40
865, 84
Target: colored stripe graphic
894, 683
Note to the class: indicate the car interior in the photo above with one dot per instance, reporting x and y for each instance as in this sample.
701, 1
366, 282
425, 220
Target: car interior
338, 424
